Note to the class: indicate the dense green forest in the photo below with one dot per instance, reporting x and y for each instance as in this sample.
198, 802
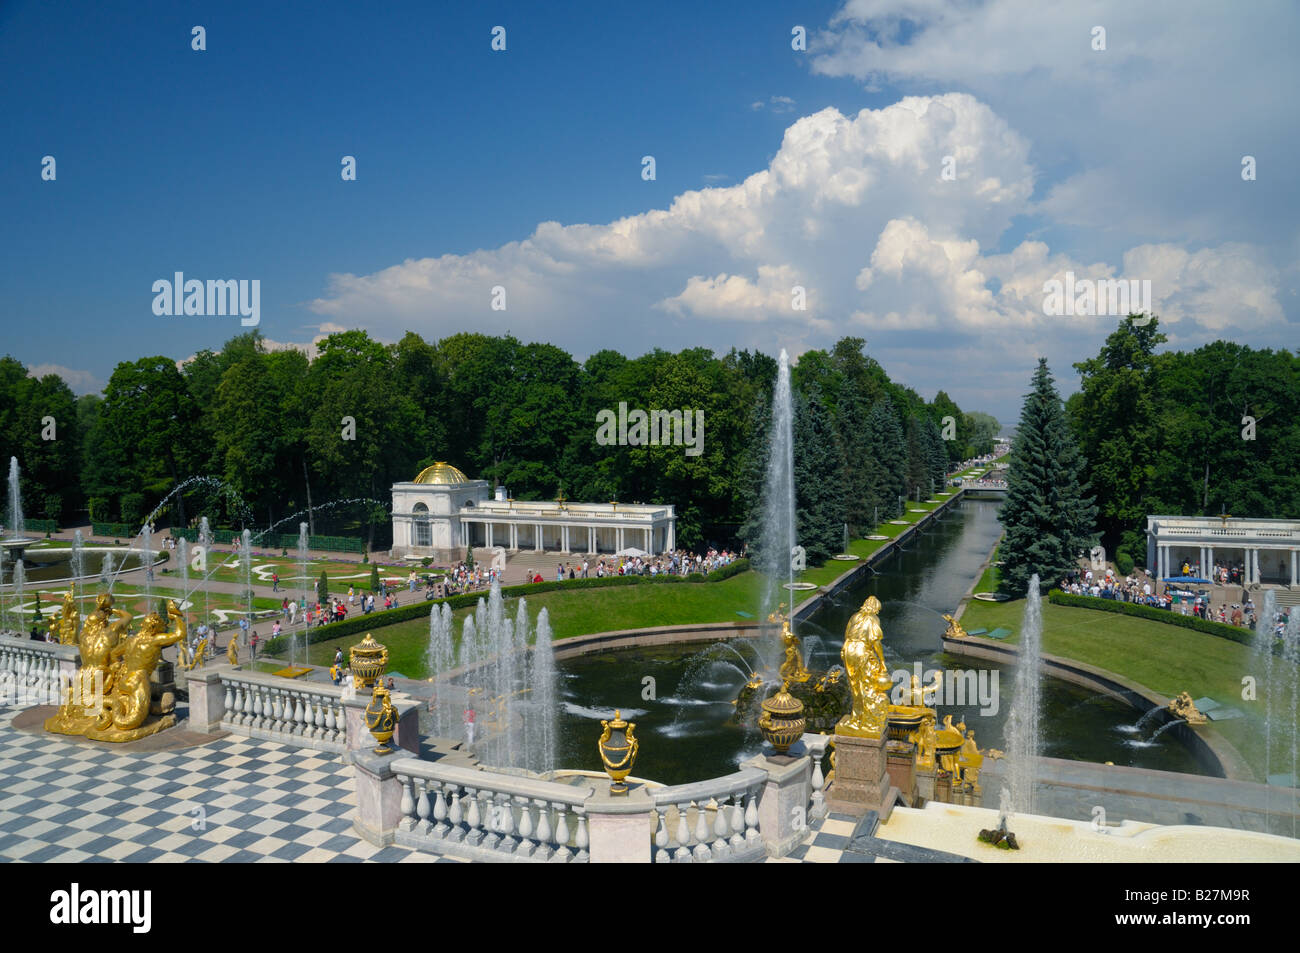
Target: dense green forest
1204, 432
270, 428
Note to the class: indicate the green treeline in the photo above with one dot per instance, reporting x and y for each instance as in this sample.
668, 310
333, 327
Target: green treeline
283, 434
1204, 432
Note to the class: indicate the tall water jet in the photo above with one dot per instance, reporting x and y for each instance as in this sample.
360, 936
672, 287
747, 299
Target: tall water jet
15, 510
246, 564
205, 540
106, 572
1291, 653
439, 659
1265, 643
303, 542
4, 601
540, 727
471, 655
778, 536
20, 581
146, 556
78, 563
183, 558
1017, 796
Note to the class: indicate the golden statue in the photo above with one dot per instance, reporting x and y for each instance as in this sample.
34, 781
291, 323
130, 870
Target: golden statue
829, 678
188, 663
869, 681
955, 630
1183, 707
134, 661
87, 698
232, 650
925, 740
63, 627
792, 667
778, 614
969, 761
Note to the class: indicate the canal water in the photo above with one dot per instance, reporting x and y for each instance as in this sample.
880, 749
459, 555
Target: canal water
680, 696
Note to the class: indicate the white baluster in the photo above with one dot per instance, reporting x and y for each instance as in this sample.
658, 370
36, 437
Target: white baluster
454, 816
721, 827
702, 852
297, 713
544, 834
817, 805
683, 852
229, 703
320, 719
422, 807
329, 722
562, 851
525, 828
661, 839
474, 835
237, 713
407, 806
440, 813
752, 835
737, 812
581, 841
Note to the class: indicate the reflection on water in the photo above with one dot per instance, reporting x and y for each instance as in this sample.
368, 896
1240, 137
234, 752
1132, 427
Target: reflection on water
685, 692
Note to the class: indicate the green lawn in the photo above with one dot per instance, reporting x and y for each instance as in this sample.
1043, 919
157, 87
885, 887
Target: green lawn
580, 612
1165, 658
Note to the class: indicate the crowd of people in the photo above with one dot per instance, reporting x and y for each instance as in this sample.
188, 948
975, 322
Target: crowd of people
676, 563
1196, 603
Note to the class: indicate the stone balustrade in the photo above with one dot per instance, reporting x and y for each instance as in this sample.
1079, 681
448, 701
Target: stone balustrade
490, 816
34, 673
309, 714
817, 746
709, 821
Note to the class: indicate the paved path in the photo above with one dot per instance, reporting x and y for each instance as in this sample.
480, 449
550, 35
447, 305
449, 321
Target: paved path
73, 801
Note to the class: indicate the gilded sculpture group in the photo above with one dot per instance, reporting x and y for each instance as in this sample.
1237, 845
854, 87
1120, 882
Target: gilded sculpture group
952, 746
111, 698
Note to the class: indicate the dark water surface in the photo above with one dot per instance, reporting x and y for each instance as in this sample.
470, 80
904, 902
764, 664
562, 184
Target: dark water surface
685, 728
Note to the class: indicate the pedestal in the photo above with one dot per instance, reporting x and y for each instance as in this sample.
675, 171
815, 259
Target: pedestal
379, 798
207, 700
862, 781
783, 799
619, 827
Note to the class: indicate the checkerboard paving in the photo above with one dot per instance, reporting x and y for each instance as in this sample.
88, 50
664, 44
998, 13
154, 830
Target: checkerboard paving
843, 839
232, 799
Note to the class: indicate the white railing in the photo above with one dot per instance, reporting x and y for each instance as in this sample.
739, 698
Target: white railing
816, 746
708, 821
271, 708
31, 670
483, 815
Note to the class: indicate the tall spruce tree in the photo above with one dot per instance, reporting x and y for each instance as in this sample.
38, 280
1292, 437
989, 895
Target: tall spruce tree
1048, 518
817, 470
889, 451
858, 468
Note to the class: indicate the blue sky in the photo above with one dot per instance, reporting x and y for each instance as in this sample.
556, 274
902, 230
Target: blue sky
225, 164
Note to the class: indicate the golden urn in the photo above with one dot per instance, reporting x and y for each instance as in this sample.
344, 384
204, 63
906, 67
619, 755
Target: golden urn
618, 747
381, 719
369, 661
782, 722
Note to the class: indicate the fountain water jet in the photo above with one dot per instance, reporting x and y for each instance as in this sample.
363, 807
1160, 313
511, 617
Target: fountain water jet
15, 511
778, 505
1017, 796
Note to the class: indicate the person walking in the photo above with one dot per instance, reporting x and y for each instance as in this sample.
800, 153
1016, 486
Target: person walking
275, 582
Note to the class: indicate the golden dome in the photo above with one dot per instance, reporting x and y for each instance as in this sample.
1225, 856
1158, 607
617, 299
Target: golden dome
442, 474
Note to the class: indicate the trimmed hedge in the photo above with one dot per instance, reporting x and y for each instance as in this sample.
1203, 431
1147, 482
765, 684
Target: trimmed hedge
116, 530
420, 609
40, 526
1221, 629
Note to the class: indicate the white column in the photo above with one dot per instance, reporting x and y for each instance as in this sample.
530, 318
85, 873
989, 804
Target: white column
487, 535
591, 539
1209, 563
564, 538
514, 536
649, 542
618, 540
1293, 567
671, 541
537, 540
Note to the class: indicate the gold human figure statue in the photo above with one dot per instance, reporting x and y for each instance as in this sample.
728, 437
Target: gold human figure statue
63, 627
869, 681
955, 630
969, 760
924, 737
188, 662
792, 667
134, 661
232, 650
88, 696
